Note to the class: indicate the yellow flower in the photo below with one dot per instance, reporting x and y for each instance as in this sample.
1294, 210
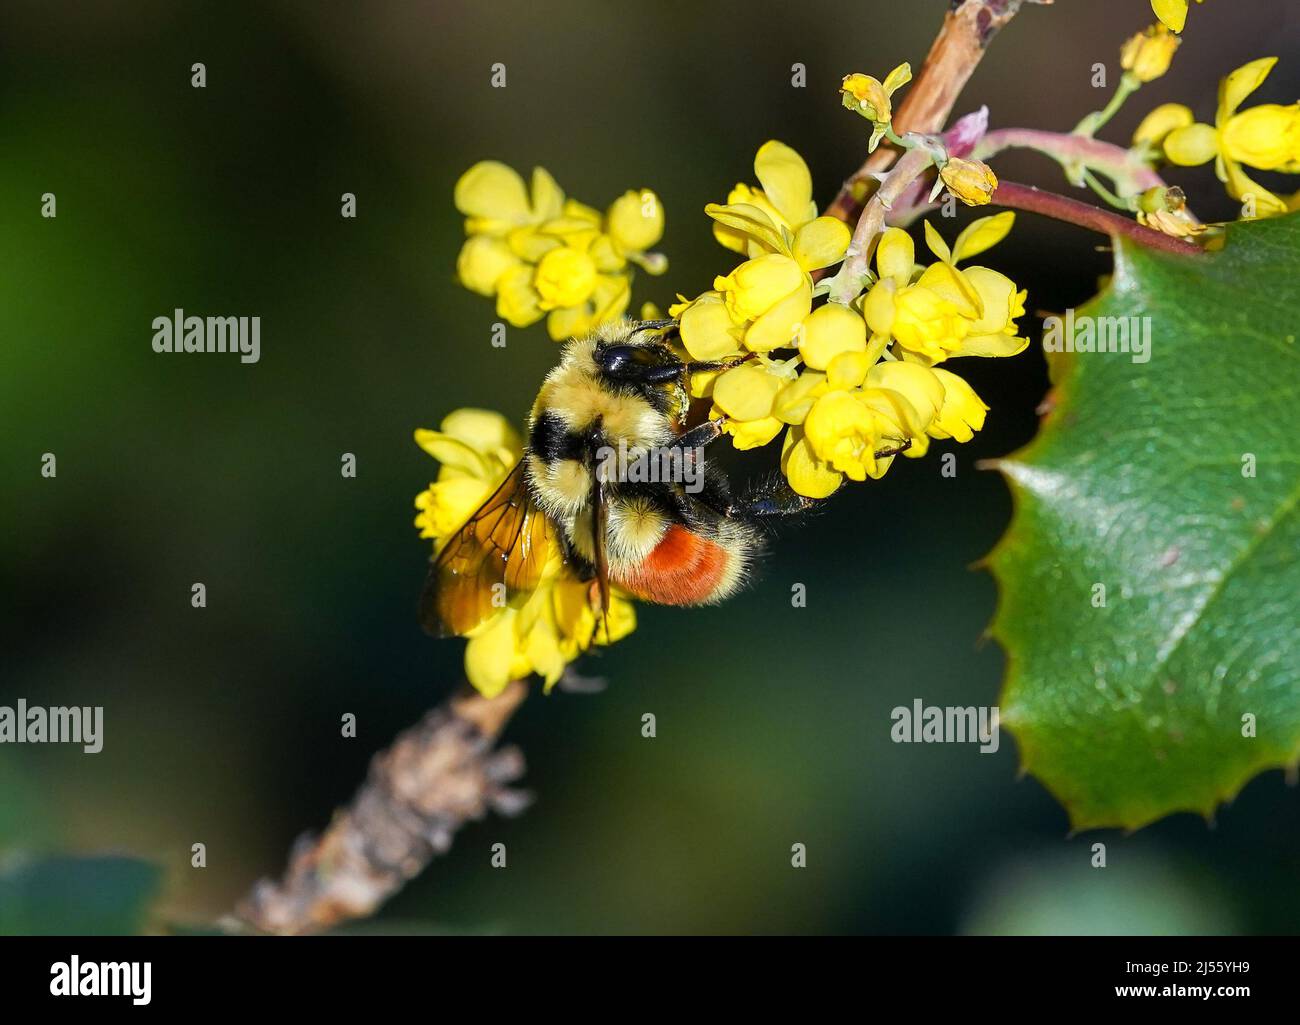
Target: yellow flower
542, 631
542, 255
971, 181
554, 625
771, 219
1172, 12
1147, 55
1266, 137
565, 277
476, 448
871, 98
757, 285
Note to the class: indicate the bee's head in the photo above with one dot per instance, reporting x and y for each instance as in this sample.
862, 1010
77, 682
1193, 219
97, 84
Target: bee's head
638, 358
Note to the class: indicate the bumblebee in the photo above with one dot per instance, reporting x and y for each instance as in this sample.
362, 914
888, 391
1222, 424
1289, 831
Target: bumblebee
622, 388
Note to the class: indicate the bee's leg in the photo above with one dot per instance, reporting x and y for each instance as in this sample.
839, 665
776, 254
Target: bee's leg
902, 446
771, 498
701, 434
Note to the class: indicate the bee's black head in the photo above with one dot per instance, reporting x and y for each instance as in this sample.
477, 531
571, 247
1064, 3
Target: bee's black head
639, 359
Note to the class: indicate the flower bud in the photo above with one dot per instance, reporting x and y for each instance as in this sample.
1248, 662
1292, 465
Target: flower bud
1147, 55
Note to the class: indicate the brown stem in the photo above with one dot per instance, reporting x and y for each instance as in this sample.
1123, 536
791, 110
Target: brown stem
435, 777
872, 222
967, 31
1085, 215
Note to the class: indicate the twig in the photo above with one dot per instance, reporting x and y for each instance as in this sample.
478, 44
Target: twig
967, 31
863, 243
1085, 215
1119, 164
436, 776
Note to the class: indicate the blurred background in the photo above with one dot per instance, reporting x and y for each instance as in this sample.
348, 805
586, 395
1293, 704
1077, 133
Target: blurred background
223, 725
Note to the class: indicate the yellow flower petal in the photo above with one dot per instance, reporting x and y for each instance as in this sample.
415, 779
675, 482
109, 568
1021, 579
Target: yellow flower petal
747, 434
786, 181
707, 329
565, 277
962, 412
746, 392
548, 197
1266, 137
808, 475
517, 300
757, 285
917, 384
794, 401
1160, 122
895, 255
1241, 83
490, 654
750, 222
828, 331
981, 234
485, 429
821, 242
779, 326
1172, 12
493, 191
935, 243
1000, 344
482, 261
848, 370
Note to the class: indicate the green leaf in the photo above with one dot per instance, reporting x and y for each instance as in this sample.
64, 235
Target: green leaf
1139, 482
71, 896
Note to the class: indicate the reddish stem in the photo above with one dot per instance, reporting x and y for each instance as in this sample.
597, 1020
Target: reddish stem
1063, 208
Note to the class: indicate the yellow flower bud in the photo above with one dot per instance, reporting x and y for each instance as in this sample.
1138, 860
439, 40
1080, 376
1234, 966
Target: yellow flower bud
1191, 145
636, 220
565, 277
757, 285
1147, 55
1160, 122
971, 181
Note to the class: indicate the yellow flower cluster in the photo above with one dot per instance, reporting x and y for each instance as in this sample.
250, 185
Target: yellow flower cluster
1266, 137
859, 379
543, 255
541, 632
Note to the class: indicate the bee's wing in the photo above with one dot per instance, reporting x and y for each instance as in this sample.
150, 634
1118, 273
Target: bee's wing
507, 542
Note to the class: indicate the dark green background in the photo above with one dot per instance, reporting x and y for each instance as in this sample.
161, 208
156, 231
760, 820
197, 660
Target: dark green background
222, 725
